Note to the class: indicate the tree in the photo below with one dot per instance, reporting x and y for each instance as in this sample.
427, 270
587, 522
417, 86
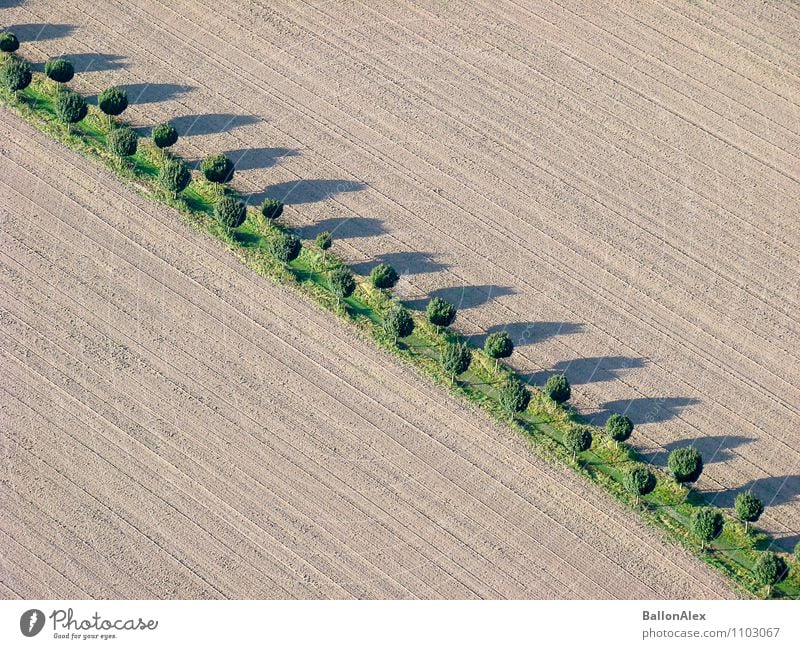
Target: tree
498, 345
769, 570
557, 388
122, 142
285, 247
112, 101
383, 276
323, 241
59, 70
230, 212
707, 525
164, 136
271, 208
342, 283
686, 464
456, 359
639, 481
70, 107
16, 75
174, 176
619, 427
748, 508
8, 42
217, 168
797, 551
440, 313
577, 439
513, 396
398, 323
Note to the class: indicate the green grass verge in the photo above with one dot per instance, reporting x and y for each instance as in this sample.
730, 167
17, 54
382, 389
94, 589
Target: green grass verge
669, 507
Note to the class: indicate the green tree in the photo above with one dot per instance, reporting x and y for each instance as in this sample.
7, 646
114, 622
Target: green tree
456, 359
112, 101
8, 42
323, 242
285, 247
619, 427
557, 388
797, 551
707, 525
122, 142
164, 136
577, 439
15, 75
770, 569
686, 464
217, 168
398, 323
59, 70
498, 345
271, 208
513, 397
174, 176
440, 313
70, 107
383, 276
342, 283
230, 212
748, 508
639, 481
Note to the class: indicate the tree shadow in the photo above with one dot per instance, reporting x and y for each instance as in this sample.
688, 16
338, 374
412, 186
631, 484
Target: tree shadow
298, 192
464, 297
259, 158
713, 448
528, 333
343, 228
152, 93
586, 370
786, 543
405, 263
773, 490
211, 123
95, 62
646, 410
40, 31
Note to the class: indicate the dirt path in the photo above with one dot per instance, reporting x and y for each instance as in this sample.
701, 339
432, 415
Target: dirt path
175, 426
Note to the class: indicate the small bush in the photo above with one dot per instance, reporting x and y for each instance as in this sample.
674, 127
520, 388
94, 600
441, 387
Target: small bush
164, 135
122, 142
230, 212
112, 101
383, 276
639, 481
217, 168
271, 208
16, 75
748, 508
8, 42
577, 439
324, 241
59, 70
619, 427
707, 525
498, 345
797, 551
70, 107
557, 388
513, 397
174, 176
285, 247
342, 283
686, 464
398, 323
770, 569
456, 359
440, 313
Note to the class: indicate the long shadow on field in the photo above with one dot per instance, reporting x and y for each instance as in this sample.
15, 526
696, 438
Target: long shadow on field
588, 370
211, 123
785, 543
40, 31
151, 93
343, 228
259, 158
405, 263
528, 333
717, 448
464, 297
774, 490
95, 61
647, 410
297, 192
7, 4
